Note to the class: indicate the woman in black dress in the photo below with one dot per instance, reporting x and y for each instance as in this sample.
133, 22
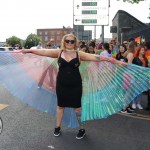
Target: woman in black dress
69, 82
122, 50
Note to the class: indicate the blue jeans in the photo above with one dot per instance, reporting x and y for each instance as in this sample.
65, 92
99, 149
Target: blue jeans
137, 100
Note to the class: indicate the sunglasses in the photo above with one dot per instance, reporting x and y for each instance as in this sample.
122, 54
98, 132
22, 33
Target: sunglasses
70, 41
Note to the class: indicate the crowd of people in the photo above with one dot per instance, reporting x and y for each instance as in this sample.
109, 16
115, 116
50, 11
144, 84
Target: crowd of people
129, 52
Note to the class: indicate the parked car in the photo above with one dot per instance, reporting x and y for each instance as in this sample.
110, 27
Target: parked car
34, 47
6, 49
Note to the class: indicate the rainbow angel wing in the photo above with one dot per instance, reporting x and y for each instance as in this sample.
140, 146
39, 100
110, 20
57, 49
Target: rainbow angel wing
32, 79
107, 86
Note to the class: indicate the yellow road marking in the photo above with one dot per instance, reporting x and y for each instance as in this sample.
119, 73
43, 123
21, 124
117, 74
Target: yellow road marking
3, 106
137, 116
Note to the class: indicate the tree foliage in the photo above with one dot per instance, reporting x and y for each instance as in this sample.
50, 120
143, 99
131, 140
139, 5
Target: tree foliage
12, 41
132, 1
32, 40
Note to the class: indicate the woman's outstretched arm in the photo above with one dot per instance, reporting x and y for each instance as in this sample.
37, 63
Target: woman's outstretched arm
43, 52
93, 57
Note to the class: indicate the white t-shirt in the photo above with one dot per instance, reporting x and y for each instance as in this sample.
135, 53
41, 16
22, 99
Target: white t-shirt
105, 53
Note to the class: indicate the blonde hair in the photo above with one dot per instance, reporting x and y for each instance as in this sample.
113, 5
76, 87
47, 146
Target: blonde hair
131, 48
64, 38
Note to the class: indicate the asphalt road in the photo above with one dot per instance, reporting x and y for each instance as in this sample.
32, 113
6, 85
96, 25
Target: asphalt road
28, 129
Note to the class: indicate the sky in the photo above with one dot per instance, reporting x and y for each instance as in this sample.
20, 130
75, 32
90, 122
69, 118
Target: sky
22, 17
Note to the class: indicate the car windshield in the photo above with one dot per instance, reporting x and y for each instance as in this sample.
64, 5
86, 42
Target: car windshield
2, 49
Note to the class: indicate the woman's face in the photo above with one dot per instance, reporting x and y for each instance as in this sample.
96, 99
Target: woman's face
142, 51
122, 49
110, 47
69, 42
91, 49
83, 49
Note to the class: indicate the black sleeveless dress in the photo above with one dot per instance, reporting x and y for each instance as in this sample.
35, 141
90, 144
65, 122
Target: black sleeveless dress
69, 83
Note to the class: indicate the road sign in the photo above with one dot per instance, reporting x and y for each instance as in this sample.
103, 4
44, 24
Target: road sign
91, 12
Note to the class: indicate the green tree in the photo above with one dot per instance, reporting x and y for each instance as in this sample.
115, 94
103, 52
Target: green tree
132, 1
32, 40
12, 41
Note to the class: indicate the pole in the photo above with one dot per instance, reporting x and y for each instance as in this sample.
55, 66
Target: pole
77, 32
95, 32
102, 34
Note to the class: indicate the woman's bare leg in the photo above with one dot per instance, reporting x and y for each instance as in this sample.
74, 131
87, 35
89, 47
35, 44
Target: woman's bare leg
81, 132
59, 115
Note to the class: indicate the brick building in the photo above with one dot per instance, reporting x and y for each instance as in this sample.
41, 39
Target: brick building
55, 33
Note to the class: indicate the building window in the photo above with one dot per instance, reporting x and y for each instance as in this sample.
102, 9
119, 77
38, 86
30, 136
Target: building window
53, 36
46, 38
53, 33
58, 37
58, 32
46, 32
58, 43
40, 32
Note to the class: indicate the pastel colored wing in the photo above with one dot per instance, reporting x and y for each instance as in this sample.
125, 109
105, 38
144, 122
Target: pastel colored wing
32, 79
110, 86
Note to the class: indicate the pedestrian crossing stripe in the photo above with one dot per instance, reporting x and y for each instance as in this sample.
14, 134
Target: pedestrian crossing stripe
3, 106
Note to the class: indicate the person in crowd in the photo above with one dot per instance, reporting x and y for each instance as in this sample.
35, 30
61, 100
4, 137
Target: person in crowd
17, 47
106, 51
91, 47
147, 54
126, 43
128, 57
48, 45
122, 50
141, 60
39, 46
69, 82
99, 48
83, 48
52, 43
131, 40
115, 47
111, 47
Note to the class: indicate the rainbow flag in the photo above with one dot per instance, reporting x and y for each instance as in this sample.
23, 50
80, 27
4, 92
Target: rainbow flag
142, 40
138, 40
